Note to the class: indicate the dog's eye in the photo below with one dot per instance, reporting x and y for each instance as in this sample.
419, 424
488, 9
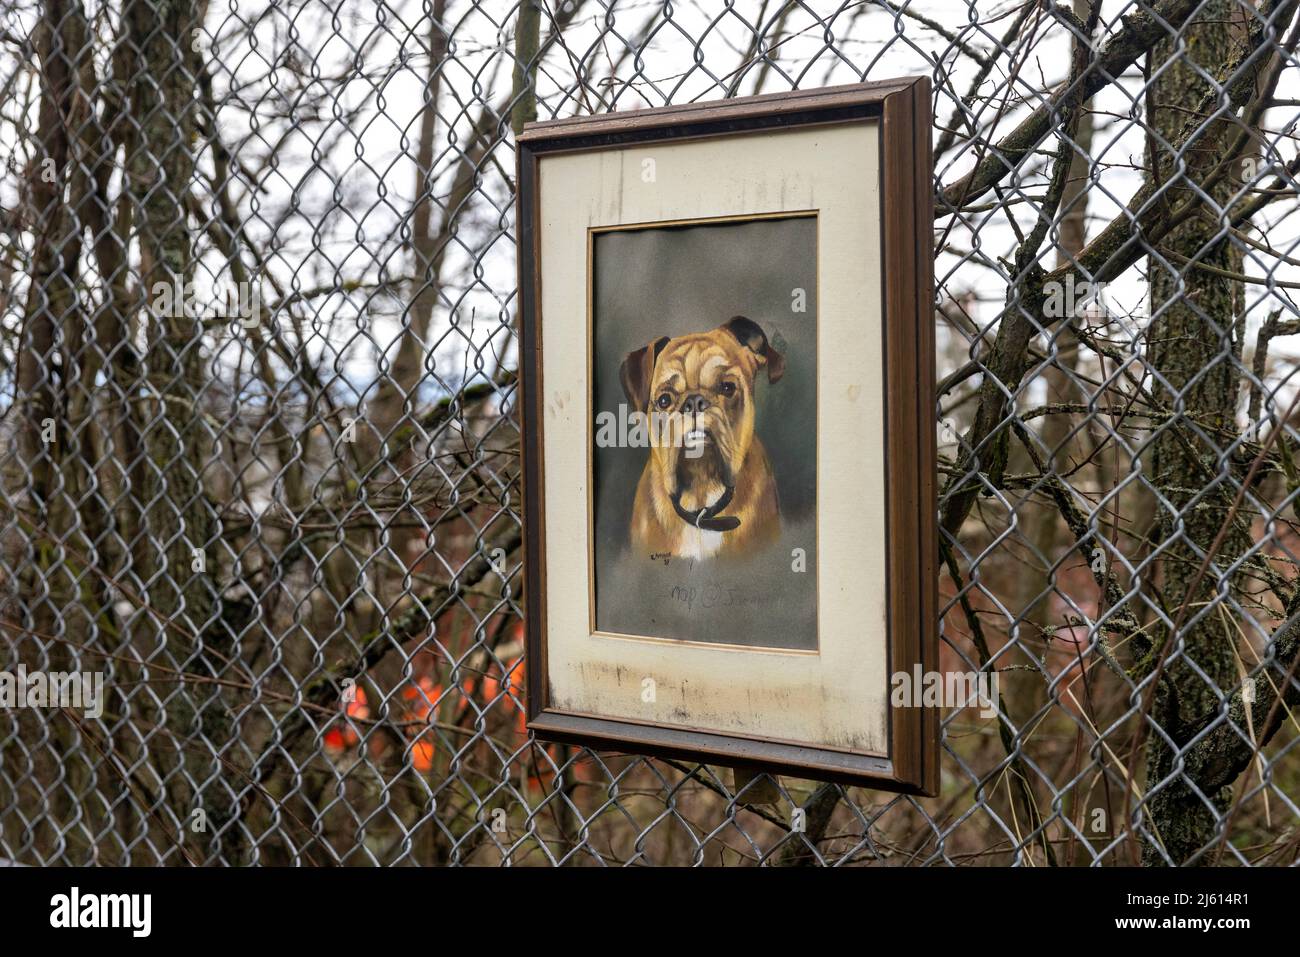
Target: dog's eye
665, 400
728, 389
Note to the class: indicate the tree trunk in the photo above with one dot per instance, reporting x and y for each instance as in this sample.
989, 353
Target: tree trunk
1194, 343
176, 511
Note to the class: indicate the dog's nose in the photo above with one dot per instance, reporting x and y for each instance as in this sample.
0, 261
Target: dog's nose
695, 404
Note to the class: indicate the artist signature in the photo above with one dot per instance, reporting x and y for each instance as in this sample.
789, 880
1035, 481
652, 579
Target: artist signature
714, 595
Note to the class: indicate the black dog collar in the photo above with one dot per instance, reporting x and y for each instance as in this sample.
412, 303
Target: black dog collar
706, 518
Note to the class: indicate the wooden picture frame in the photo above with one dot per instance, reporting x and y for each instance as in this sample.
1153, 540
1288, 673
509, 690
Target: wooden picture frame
900, 111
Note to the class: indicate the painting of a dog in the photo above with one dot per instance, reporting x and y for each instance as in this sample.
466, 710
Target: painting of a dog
704, 431
713, 492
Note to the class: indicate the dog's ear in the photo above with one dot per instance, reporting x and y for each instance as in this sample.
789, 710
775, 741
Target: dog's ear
751, 336
637, 370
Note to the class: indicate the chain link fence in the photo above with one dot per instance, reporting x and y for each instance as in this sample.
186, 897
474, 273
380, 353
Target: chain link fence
260, 461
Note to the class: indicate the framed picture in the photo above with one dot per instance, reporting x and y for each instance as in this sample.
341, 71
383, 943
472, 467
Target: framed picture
727, 377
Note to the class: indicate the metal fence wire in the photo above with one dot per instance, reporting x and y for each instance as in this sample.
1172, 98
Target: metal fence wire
260, 460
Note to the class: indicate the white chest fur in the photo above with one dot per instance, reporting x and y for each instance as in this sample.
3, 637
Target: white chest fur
697, 543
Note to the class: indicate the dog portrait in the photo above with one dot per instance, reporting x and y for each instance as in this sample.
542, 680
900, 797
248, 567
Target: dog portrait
707, 487
704, 450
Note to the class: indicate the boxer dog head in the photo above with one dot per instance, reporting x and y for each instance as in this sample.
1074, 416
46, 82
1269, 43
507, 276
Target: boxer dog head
702, 385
